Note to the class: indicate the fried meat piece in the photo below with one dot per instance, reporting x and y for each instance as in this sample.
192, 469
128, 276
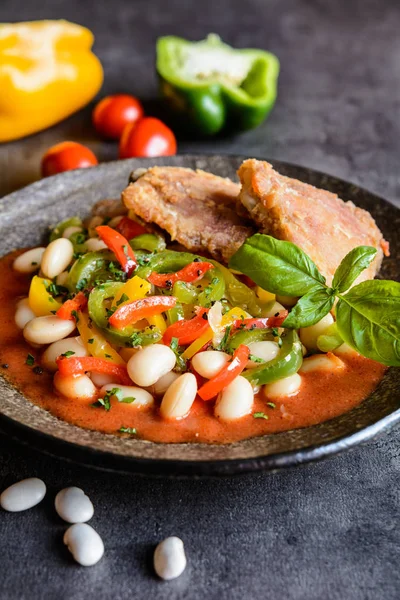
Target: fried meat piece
196, 208
319, 222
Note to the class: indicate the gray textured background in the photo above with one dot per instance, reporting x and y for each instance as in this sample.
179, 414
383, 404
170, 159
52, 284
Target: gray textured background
326, 531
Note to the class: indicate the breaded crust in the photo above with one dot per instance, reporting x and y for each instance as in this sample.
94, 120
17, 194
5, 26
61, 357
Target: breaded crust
196, 208
319, 222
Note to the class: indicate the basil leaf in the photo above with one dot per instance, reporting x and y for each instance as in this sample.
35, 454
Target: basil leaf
351, 266
310, 309
368, 319
279, 267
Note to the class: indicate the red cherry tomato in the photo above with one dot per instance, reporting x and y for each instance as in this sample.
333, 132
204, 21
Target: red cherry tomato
148, 137
66, 156
113, 113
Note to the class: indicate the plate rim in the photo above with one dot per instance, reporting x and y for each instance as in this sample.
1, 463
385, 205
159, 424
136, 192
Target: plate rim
173, 467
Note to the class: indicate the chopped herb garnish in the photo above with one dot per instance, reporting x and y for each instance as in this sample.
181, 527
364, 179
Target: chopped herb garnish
108, 355
134, 340
174, 344
224, 342
110, 311
275, 331
82, 283
37, 370
123, 298
105, 402
78, 254
127, 400
90, 341
260, 415
56, 290
271, 404
256, 359
74, 313
33, 263
68, 353
130, 430
30, 360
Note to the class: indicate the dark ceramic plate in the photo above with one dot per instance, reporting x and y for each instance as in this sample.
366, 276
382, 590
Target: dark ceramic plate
24, 218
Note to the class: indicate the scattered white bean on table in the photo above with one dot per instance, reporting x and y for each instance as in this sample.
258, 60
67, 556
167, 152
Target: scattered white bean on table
73, 506
57, 257
169, 558
84, 543
150, 363
23, 494
29, 261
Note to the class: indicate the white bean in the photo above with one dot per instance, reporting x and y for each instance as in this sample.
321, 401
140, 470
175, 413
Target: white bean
94, 244
55, 350
29, 261
309, 335
162, 384
321, 362
93, 223
265, 350
179, 397
48, 329
23, 313
288, 386
209, 363
23, 495
235, 401
275, 308
142, 397
100, 379
75, 388
170, 558
150, 363
84, 543
62, 278
70, 230
287, 300
345, 350
73, 506
57, 257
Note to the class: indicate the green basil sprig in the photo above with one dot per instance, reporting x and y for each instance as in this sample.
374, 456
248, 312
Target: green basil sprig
367, 316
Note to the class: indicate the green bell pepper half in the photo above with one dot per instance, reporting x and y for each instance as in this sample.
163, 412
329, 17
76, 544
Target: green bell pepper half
212, 86
287, 362
93, 267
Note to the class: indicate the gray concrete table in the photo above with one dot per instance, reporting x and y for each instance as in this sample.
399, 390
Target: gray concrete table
325, 531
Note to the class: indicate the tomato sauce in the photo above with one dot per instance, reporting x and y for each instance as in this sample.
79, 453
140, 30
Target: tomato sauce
322, 395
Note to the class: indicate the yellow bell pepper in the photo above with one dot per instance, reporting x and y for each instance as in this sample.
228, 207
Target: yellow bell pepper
264, 296
227, 319
47, 72
41, 302
134, 289
95, 342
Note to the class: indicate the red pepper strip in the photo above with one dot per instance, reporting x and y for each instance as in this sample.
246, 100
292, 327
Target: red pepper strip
80, 365
188, 330
190, 273
261, 323
120, 246
227, 374
140, 309
76, 303
129, 228
247, 281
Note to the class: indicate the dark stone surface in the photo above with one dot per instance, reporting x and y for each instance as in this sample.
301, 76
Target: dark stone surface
325, 531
